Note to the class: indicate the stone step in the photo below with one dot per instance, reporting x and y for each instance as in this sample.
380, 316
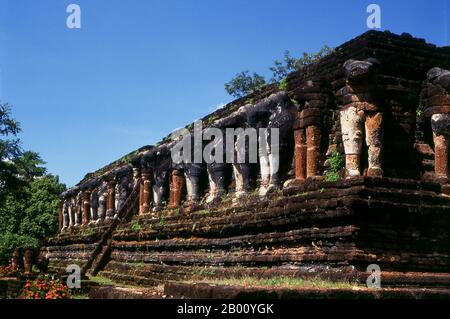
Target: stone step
111, 292
155, 274
211, 291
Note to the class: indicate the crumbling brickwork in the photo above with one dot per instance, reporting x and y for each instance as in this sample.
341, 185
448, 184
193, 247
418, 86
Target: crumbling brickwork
381, 101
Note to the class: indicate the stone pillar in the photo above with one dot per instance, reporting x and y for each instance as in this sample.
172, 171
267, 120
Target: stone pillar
176, 189
111, 200
145, 194
313, 139
86, 207
441, 146
300, 154
352, 134
141, 195
72, 212
94, 206
440, 124
436, 99
28, 261
192, 174
374, 139
15, 259
65, 215
60, 215
361, 116
78, 209
264, 164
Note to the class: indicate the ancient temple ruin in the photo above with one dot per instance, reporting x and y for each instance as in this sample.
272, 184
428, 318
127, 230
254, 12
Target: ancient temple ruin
380, 103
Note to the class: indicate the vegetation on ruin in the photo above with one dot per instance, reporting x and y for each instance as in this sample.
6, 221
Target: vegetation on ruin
245, 83
28, 194
420, 111
103, 281
283, 282
283, 84
281, 69
89, 232
135, 226
337, 163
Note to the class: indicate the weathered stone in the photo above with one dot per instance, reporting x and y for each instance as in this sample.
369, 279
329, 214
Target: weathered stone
145, 194
300, 155
86, 197
176, 189
111, 200
348, 102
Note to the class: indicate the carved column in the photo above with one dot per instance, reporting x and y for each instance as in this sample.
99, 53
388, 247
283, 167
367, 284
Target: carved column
111, 200
361, 117
352, 134
65, 215
60, 215
440, 124
28, 261
176, 189
15, 259
86, 207
72, 212
313, 138
94, 206
145, 193
436, 99
313, 99
441, 153
78, 209
300, 154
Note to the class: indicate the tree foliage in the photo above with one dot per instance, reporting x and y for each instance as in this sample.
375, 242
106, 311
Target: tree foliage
281, 69
9, 149
245, 83
28, 195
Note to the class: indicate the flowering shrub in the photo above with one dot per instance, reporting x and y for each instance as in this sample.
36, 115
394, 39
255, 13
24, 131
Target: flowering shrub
45, 287
8, 271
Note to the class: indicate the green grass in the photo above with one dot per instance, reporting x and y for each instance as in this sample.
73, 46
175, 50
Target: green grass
283, 282
103, 281
108, 282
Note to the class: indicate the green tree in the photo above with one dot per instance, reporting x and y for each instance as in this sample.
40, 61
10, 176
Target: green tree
40, 219
28, 195
244, 83
9, 150
281, 69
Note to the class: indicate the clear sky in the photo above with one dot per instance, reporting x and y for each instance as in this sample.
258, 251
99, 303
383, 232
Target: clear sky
138, 69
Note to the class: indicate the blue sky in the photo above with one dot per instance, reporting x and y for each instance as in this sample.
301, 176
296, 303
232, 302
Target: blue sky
138, 69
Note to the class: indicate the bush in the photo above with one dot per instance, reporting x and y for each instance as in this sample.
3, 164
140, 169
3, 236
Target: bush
283, 85
135, 226
244, 83
337, 163
45, 287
